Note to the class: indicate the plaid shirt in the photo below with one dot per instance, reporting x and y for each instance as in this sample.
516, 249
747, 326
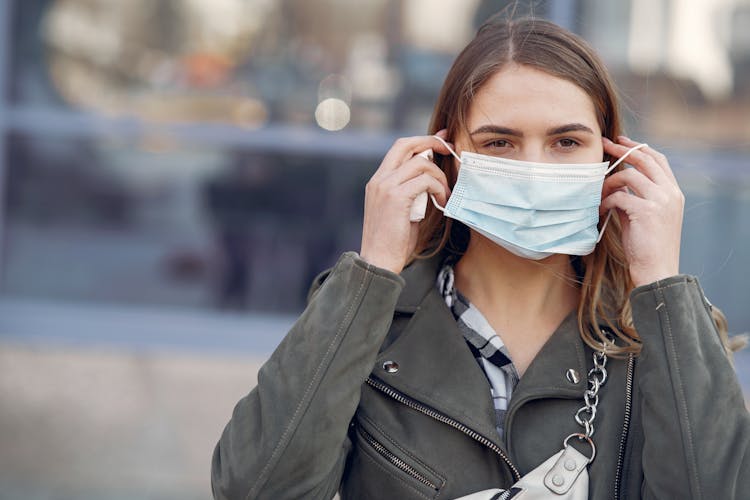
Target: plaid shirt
484, 343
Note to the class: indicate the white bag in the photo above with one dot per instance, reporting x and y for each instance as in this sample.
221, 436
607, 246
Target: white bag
562, 476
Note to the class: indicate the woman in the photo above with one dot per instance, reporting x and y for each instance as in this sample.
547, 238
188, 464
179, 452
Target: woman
451, 355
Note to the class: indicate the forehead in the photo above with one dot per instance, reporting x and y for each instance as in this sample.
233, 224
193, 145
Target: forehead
522, 96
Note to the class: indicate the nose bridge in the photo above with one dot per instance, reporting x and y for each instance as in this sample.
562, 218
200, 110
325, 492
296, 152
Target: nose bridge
533, 150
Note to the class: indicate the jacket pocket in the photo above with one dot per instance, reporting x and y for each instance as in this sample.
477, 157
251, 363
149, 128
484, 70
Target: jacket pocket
380, 469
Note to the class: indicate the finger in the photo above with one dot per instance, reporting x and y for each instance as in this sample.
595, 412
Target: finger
643, 162
406, 147
632, 179
660, 158
414, 168
422, 183
441, 145
626, 202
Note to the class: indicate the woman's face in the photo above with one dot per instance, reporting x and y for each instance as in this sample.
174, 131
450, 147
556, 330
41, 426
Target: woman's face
526, 114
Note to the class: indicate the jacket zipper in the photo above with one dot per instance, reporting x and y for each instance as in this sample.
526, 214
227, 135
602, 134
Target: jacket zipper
395, 460
430, 412
625, 425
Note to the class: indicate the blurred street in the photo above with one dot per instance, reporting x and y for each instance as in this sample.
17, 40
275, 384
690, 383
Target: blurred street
92, 424
130, 413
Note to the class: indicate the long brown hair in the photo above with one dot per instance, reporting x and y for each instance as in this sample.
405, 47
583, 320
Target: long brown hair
605, 281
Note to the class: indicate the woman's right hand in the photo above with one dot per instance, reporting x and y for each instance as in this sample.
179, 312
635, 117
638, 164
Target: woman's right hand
388, 236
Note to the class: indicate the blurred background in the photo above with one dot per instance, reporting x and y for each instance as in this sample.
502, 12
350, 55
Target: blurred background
173, 173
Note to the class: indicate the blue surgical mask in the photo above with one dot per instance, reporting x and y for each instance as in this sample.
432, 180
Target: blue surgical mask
531, 209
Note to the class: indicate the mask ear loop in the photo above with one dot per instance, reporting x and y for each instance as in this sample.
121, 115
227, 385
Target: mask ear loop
432, 196
614, 165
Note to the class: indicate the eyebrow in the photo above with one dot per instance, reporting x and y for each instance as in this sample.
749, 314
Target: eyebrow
497, 129
562, 129
570, 127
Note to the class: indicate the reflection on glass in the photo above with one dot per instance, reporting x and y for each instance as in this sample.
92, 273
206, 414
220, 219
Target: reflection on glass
183, 226
192, 61
122, 57
149, 218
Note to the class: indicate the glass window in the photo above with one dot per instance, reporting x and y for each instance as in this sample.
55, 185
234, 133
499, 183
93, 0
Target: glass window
214, 154
174, 224
246, 62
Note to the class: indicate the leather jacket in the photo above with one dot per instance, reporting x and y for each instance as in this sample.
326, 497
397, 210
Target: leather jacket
375, 394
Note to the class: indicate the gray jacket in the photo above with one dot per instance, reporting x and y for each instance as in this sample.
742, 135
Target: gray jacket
375, 394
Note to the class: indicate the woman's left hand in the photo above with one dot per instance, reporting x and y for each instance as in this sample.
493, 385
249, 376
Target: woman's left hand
650, 211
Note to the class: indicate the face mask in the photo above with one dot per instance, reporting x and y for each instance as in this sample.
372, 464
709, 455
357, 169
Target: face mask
533, 210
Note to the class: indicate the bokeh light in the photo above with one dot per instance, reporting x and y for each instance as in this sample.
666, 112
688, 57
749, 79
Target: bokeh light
332, 114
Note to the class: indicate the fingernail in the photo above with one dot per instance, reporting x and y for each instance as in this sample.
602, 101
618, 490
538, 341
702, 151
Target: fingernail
606, 139
624, 138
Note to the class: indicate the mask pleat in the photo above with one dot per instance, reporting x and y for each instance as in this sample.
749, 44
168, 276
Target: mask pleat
532, 209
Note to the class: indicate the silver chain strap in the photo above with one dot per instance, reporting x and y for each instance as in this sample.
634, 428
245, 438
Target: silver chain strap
586, 415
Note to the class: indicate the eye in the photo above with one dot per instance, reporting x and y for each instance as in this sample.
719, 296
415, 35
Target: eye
497, 144
568, 143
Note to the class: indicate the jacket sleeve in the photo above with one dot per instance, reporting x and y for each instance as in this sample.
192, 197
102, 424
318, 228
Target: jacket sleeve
288, 437
695, 424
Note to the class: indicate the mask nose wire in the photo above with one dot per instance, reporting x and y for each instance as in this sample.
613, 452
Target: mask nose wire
432, 196
614, 165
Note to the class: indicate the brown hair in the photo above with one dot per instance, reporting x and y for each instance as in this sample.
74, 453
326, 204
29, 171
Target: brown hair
604, 276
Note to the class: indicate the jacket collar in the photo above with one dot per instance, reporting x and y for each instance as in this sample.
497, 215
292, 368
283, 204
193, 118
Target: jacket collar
546, 375
437, 368
420, 277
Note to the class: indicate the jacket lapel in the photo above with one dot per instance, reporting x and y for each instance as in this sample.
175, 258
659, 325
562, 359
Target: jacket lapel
546, 375
435, 366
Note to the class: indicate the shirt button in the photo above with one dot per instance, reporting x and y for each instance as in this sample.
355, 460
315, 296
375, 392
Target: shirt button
390, 366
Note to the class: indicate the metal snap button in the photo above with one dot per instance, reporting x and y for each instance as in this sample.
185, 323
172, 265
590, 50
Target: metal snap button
570, 464
572, 376
390, 366
558, 480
